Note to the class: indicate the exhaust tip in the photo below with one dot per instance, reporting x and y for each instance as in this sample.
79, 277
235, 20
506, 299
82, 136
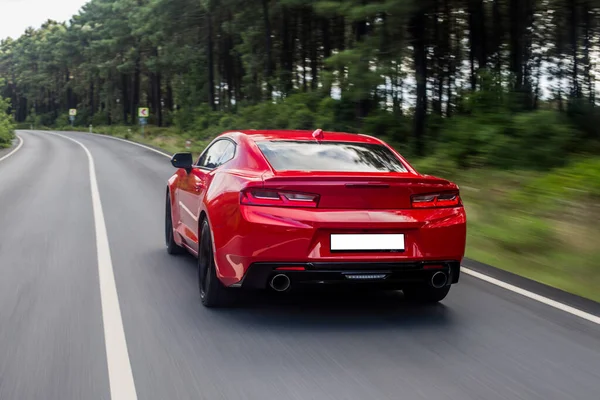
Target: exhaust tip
439, 280
280, 283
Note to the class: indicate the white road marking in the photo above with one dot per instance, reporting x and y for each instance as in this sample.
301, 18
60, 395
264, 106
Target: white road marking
122, 386
15, 150
162, 153
552, 303
507, 286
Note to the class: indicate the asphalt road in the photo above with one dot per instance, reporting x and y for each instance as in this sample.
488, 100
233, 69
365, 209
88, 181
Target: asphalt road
482, 343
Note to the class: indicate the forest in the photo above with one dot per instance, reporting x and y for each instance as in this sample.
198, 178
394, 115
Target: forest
497, 94
402, 69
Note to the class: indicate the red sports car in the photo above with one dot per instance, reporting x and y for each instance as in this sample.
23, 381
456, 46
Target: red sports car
284, 209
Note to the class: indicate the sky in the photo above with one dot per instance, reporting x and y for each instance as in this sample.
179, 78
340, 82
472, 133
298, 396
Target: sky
18, 15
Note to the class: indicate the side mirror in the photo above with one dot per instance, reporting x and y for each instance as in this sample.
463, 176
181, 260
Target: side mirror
182, 160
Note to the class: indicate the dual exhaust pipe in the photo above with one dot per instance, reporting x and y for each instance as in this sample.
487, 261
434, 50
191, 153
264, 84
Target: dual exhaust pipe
282, 282
439, 280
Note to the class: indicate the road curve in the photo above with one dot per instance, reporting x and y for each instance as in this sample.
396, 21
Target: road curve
482, 343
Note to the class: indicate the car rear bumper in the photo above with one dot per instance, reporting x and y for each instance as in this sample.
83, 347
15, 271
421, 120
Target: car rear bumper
261, 237
380, 274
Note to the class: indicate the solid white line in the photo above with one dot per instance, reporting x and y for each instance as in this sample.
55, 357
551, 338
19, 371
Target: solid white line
122, 386
21, 141
552, 303
162, 153
497, 282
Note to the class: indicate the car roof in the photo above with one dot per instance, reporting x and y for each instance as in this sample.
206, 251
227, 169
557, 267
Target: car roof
290, 134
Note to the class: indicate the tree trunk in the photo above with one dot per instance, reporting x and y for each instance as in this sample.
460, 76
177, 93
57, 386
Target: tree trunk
587, 21
473, 41
516, 42
417, 28
438, 90
477, 39
210, 60
341, 36
150, 94
92, 98
575, 89
169, 96
268, 46
498, 35
69, 90
304, 53
135, 96
125, 97
286, 59
157, 95
451, 63
326, 37
362, 107
314, 58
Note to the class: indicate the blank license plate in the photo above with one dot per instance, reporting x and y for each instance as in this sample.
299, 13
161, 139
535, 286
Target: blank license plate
367, 242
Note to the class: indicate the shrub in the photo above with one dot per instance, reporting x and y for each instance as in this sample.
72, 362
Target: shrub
6, 125
302, 118
467, 141
577, 181
537, 140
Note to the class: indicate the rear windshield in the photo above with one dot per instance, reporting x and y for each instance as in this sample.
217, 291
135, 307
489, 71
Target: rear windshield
286, 155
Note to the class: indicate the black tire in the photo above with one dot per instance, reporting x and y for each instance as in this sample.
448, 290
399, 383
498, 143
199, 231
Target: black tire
172, 247
212, 292
425, 294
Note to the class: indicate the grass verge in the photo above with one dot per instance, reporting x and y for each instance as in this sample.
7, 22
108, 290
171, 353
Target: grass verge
540, 225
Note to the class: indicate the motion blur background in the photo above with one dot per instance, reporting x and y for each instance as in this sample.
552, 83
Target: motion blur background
497, 95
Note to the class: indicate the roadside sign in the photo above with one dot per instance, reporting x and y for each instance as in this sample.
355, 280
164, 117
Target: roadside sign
71, 118
72, 112
188, 144
143, 122
143, 112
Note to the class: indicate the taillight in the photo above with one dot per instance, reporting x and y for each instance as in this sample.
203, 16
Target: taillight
275, 198
436, 200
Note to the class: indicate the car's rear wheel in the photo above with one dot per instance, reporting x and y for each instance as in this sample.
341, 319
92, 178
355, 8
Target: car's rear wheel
172, 246
212, 292
425, 294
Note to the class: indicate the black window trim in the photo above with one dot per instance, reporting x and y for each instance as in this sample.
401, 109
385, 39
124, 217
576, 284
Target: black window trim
235, 145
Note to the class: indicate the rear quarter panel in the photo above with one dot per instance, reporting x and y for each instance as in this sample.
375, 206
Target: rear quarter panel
221, 205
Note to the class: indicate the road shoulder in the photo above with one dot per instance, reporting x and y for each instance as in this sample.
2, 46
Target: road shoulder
9, 149
578, 302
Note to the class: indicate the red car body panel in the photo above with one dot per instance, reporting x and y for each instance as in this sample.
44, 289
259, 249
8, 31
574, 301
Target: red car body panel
349, 202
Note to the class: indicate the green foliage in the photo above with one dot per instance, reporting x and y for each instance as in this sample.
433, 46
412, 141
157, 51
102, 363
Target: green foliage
6, 124
542, 225
489, 133
575, 182
343, 65
519, 233
305, 111
537, 140
586, 118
